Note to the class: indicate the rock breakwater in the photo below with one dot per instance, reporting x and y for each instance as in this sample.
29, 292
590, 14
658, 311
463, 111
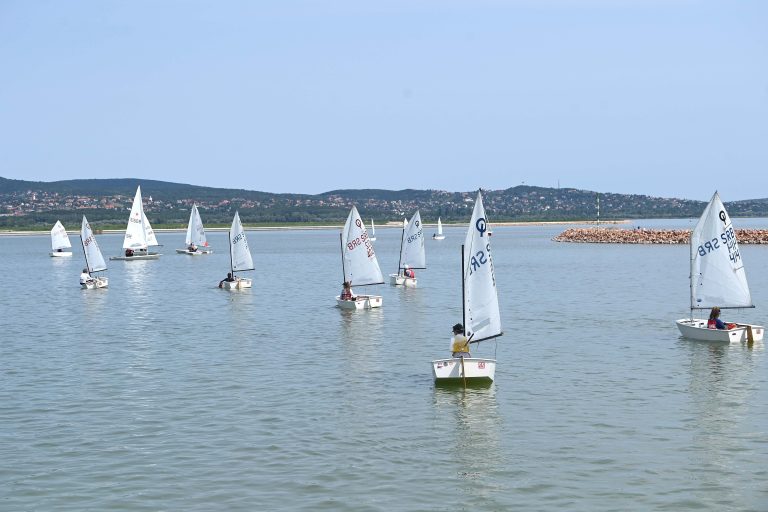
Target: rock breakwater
649, 236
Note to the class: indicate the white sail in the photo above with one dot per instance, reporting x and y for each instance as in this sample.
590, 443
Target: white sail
94, 260
238, 247
717, 269
149, 233
59, 237
135, 236
373, 230
481, 303
412, 250
195, 229
360, 264
439, 227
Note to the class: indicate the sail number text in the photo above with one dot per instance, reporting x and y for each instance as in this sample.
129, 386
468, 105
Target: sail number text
479, 259
728, 239
360, 241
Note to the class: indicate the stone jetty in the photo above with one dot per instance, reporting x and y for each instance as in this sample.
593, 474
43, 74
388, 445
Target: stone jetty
648, 236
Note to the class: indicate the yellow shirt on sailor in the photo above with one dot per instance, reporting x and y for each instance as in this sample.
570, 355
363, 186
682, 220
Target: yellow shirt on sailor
459, 344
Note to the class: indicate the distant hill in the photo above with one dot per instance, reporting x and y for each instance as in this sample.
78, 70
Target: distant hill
35, 204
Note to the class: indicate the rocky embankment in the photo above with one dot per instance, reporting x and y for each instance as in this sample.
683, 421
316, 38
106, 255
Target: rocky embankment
649, 236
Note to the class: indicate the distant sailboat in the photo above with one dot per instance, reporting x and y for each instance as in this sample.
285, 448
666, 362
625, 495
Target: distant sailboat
60, 241
412, 254
373, 232
94, 260
439, 235
717, 277
195, 239
480, 306
239, 257
139, 235
359, 265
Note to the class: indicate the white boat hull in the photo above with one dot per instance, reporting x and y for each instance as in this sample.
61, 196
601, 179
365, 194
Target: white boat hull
239, 283
97, 283
360, 302
55, 254
697, 330
198, 252
400, 280
150, 256
438, 237
475, 370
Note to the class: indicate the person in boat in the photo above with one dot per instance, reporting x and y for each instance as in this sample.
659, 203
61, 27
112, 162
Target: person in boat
59, 250
459, 342
128, 253
229, 279
85, 277
192, 247
408, 272
714, 321
346, 291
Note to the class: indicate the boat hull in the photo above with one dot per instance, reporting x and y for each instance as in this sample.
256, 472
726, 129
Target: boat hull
239, 284
360, 302
438, 237
696, 329
400, 280
61, 254
97, 283
195, 253
150, 256
476, 370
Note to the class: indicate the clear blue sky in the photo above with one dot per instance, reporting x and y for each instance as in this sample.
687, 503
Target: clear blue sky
661, 97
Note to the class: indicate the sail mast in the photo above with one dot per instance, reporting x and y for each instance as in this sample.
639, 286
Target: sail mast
463, 308
341, 249
400, 259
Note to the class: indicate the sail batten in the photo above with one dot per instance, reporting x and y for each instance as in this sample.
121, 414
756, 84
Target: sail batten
361, 267
481, 302
717, 268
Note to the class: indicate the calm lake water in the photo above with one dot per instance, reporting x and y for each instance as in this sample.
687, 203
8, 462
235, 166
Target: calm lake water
166, 393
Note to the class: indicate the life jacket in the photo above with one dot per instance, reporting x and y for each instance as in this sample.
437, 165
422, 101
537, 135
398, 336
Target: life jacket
711, 324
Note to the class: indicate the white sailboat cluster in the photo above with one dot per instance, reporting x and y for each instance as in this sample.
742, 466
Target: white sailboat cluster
412, 254
139, 235
94, 260
240, 259
60, 241
359, 265
196, 242
480, 306
717, 277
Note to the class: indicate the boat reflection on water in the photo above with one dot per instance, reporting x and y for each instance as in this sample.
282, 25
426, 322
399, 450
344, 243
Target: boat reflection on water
472, 415
721, 390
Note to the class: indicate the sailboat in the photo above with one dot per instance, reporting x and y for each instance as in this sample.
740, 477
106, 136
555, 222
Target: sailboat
239, 257
139, 235
195, 235
373, 232
59, 241
94, 260
717, 277
411, 252
480, 306
359, 265
439, 235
